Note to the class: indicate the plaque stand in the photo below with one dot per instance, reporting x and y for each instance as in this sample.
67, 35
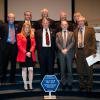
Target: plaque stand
50, 96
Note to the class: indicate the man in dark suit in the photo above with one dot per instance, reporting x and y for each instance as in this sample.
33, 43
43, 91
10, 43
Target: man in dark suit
9, 47
65, 43
45, 43
44, 14
28, 19
85, 46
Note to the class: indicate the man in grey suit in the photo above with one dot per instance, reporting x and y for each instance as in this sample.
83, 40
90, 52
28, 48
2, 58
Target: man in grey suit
65, 43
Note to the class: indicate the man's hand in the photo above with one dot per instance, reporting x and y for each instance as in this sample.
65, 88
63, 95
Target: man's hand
64, 51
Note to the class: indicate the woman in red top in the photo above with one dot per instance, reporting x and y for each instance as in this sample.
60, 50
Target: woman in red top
26, 53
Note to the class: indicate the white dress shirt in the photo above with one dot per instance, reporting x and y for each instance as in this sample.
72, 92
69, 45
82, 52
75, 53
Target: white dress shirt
63, 33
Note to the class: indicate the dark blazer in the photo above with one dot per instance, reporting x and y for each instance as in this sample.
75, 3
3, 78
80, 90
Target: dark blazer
38, 36
89, 41
5, 31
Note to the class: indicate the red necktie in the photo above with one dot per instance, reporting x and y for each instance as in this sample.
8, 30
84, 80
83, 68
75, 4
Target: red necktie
47, 38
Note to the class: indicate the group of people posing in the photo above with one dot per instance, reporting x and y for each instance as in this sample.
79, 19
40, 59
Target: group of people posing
60, 40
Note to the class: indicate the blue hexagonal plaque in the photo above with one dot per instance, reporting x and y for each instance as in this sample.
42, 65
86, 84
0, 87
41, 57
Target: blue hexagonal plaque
50, 83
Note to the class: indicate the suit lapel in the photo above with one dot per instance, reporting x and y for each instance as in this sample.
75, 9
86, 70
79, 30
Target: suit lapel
68, 37
85, 34
41, 34
76, 36
60, 36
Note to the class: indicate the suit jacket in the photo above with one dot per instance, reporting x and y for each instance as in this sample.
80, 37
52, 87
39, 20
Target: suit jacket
89, 41
5, 31
21, 42
69, 44
38, 36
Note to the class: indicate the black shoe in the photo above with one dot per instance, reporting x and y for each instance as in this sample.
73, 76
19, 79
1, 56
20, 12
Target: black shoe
30, 90
26, 90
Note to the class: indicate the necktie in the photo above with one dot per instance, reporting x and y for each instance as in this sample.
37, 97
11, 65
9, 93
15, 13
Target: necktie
12, 33
80, 38
64, 39
47, 38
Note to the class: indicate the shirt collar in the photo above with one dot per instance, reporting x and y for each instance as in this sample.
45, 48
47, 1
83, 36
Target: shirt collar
65, 30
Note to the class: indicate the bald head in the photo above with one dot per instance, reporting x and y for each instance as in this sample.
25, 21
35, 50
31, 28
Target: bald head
11, 17
44, 10
63, 16
44, 13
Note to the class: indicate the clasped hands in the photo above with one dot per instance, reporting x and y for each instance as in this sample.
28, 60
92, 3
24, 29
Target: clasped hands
28, 54
64, 51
